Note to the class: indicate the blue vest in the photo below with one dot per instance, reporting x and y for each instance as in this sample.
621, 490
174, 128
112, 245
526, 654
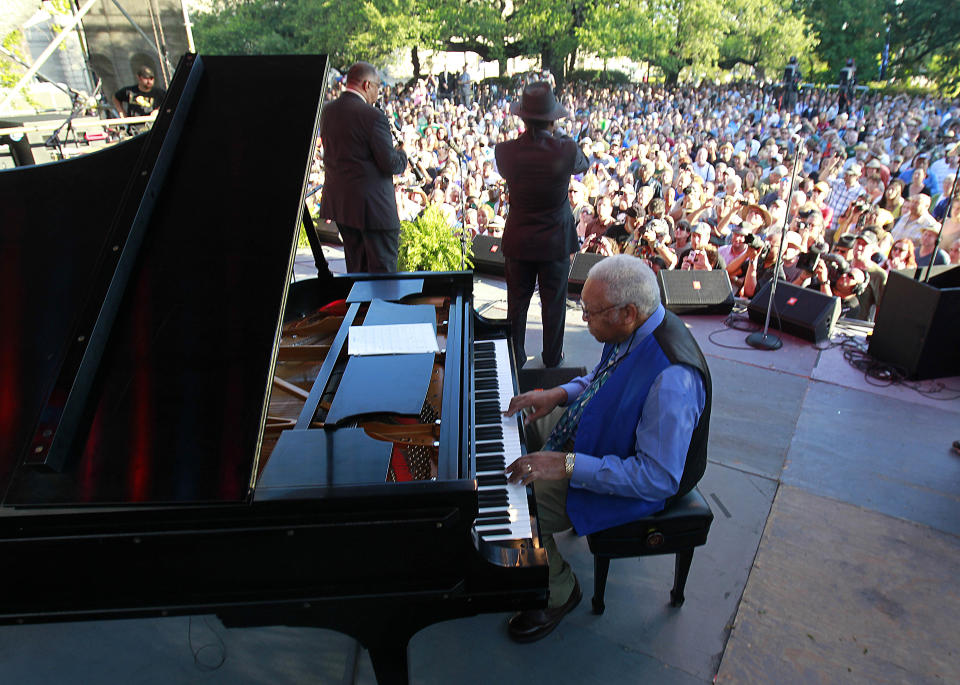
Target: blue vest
609, 426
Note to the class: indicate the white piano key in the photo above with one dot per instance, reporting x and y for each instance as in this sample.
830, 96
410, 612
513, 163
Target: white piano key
517, 503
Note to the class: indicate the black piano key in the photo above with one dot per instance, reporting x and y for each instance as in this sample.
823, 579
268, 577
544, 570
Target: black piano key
484, 345
489, 433
492, 480
491, 520
493, 503
490, 463
493, 493
486, 384
496, 531
490, 448
498, 505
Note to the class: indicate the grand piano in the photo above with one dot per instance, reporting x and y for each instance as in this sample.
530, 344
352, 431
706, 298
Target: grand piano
183, 430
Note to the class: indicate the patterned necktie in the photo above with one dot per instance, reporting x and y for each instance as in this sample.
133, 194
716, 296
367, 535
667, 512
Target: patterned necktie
566, 428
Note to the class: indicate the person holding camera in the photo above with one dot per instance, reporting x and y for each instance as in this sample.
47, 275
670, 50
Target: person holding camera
762, 260
843, 191
862, 257
648, 241
701, 255
853, 218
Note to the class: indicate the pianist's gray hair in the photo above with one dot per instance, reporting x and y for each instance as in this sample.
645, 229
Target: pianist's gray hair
629, 281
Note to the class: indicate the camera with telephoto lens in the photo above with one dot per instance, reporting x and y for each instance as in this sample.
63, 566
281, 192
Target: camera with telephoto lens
807, 261
836, 266
758, 244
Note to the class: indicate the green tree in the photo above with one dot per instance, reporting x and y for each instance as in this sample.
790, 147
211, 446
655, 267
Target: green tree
10, 72
848, 28
678, 34
753, 39
346, 30
925, 39
498, 30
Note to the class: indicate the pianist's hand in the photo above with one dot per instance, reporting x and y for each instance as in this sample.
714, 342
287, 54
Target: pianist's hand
538, 402
538, 466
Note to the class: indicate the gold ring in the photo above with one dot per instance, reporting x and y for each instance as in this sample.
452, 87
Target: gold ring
529, 468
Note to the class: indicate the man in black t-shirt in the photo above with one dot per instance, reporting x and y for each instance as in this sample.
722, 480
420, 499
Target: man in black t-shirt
141, 99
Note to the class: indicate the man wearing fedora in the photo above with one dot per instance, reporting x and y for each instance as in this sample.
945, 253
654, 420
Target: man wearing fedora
540, 233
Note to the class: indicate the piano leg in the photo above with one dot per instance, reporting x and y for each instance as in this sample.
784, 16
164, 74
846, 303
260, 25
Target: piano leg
389, 659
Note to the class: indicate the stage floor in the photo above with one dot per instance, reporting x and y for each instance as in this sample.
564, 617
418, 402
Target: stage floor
832, 557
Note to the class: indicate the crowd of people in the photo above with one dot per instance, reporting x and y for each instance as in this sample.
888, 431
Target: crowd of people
704, 178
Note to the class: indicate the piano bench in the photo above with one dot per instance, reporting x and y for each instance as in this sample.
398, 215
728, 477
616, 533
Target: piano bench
675, 530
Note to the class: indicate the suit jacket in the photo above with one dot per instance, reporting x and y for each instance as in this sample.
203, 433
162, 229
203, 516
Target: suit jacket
537, 167
359, 162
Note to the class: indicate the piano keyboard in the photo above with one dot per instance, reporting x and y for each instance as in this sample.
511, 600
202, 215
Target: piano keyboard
504, 511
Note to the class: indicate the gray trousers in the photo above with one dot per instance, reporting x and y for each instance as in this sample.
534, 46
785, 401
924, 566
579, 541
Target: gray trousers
369, 251
552, 513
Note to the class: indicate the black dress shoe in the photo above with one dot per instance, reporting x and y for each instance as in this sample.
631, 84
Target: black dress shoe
534, 624
553, 366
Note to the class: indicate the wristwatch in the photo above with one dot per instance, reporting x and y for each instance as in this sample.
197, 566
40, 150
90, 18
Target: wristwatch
568, 466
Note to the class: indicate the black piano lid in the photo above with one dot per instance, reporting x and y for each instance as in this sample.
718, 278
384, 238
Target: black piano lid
54, 220
176, 403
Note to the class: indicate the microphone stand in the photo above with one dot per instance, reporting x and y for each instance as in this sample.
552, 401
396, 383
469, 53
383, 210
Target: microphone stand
946, 215
463, 203
412, 160
763, 340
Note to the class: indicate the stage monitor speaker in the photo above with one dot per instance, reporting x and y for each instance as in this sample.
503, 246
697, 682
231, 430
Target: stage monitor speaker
935, 270
918, 325
696, 292
582, 263
807, 314
487, 255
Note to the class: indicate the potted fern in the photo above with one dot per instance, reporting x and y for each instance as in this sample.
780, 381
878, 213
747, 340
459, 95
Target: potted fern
429, 243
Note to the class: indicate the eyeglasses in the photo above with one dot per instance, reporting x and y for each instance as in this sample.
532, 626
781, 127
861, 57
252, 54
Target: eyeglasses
587, 314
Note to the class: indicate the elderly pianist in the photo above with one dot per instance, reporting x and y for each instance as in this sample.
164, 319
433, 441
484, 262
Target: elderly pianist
634, 433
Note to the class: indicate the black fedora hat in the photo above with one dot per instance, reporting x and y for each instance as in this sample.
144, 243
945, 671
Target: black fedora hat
538, 102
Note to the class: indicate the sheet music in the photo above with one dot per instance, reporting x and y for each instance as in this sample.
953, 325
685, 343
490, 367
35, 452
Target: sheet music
401, 338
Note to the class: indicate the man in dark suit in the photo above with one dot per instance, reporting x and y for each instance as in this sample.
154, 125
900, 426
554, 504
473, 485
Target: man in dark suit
360, 161
541, 232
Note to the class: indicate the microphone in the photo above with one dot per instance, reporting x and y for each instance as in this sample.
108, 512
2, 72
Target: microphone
456, 148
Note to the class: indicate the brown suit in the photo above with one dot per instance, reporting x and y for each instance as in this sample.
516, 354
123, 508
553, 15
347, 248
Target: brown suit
360, 161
